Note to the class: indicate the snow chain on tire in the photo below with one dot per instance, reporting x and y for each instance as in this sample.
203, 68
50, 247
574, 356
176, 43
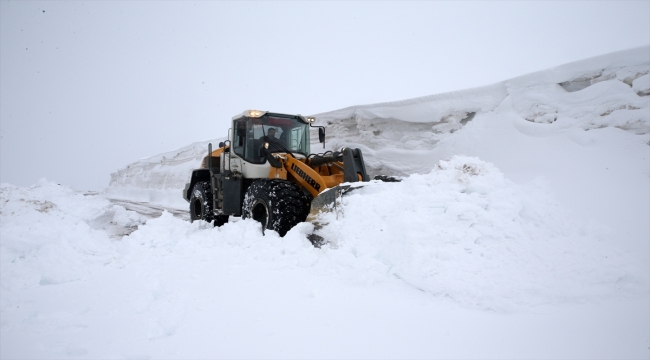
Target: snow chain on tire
201, 202
278, 204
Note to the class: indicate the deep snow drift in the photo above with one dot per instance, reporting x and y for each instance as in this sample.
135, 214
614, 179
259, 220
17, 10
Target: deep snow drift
520, 230
390, 283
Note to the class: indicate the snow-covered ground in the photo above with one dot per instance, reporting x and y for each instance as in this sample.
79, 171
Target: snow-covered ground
520, 230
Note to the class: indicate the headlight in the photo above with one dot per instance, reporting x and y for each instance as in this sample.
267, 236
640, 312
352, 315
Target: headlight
255, 113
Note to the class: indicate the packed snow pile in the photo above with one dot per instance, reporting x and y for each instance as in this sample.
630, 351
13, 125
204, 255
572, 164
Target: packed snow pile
465, 232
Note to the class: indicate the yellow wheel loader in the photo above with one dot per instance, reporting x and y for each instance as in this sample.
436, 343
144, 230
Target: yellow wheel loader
265, 171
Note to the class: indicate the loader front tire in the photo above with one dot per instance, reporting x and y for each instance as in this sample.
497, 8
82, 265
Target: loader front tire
277, 204
201, 202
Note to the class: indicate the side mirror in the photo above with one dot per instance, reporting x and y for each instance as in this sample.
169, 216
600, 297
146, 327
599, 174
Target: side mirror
321, 135
221, 144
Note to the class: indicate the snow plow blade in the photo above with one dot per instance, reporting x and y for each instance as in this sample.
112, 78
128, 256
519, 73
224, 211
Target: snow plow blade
326, 202
329, 201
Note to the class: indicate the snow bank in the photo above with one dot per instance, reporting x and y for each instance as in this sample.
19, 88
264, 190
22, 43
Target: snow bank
397, 138
584, 128
466, 233
161, 178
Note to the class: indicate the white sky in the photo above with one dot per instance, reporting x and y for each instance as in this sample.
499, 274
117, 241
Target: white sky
88, 87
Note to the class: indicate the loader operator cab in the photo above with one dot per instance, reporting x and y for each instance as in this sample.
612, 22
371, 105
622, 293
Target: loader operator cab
282, 133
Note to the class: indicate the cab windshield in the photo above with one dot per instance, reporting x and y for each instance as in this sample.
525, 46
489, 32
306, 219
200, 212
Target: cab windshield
282, 133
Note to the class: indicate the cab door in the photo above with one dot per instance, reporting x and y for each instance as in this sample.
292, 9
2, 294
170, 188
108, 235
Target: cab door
231, 181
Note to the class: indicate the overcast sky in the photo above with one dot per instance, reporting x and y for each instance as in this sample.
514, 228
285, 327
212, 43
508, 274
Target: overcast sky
88, 87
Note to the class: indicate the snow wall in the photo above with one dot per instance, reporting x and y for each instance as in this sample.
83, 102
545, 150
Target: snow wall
403, 137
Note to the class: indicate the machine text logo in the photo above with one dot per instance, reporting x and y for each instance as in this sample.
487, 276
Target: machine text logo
305, 177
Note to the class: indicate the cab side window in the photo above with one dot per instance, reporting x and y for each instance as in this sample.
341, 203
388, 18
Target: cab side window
240, 138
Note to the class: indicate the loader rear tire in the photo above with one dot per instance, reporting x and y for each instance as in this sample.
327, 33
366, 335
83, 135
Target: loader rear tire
277, 204
201, 202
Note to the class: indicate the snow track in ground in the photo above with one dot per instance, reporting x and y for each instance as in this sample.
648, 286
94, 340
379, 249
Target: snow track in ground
150, 210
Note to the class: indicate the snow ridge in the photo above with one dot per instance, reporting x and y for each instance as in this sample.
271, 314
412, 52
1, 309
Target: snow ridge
606, 91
